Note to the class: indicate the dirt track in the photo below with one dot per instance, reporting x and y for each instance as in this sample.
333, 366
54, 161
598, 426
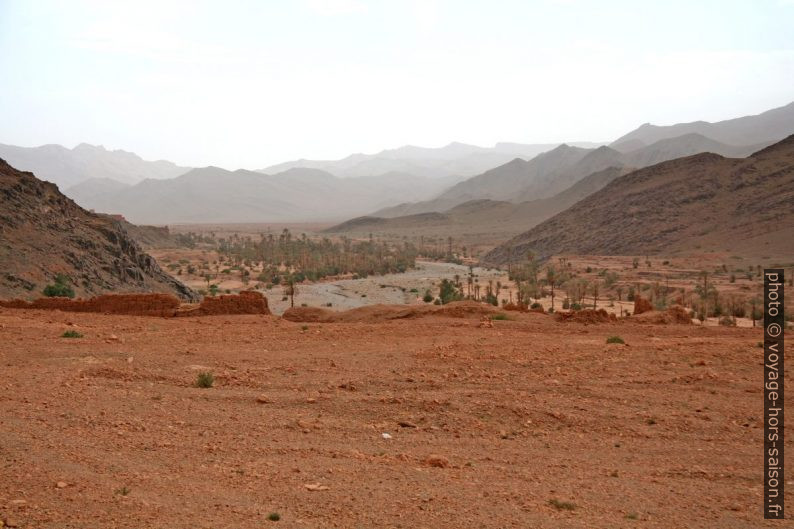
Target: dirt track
108, 431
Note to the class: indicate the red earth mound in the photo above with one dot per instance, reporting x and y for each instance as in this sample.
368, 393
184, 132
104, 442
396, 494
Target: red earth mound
641, 305
247, 302
164, 305
586, 316
376, 313
674, 314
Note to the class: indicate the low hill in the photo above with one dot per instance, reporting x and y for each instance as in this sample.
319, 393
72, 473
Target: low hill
93, 189
497, 218
68, 167
43, 234
703, 202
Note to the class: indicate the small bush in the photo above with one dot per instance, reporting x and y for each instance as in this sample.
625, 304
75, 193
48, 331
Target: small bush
205, 379
615, 339
536, 305
304, 327
428, 297
274, 517
576, 306
562, 505
566, 304
728, 321
71, 334
500, 316
59, 289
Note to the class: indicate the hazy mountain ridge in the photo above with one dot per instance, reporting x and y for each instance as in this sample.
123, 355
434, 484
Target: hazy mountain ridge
454, 159
552, 172
69, 167
768, 127
212, 194
701, 202
482, 215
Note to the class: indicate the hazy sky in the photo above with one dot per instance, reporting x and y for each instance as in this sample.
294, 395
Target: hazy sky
250, 83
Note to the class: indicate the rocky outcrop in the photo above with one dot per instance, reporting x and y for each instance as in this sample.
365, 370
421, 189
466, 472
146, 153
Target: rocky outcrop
44, 234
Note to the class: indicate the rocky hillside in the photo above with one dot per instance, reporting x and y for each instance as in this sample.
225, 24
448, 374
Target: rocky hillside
43, 234
699, 203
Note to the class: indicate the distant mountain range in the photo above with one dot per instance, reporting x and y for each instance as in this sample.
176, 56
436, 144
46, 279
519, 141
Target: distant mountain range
494, 218
767, 127
393, 183
212, 194
456, 160
703, 202
68, 167
552, 172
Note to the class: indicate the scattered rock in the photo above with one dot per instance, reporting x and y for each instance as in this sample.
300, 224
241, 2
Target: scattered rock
385, 435
61, 484
262, 399
436, 461
316, 487
406, 424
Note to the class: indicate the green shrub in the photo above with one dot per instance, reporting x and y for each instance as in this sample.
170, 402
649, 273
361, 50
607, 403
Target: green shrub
60, 289
448, 292
428, 297
71, 334
205, 379
500, 316
274, 517
576, 306
615, 339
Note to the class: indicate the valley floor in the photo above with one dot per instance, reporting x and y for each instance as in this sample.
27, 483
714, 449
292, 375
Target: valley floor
531, 423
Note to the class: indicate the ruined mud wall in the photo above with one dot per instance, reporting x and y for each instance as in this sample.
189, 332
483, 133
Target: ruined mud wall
164, 305
247, 302
129, 304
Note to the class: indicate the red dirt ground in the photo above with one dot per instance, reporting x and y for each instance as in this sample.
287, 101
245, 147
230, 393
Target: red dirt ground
487, 425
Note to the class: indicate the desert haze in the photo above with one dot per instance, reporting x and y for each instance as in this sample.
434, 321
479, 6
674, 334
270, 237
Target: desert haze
353, 264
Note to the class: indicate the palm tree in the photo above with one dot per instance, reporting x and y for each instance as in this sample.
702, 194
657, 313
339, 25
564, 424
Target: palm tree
551, 277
